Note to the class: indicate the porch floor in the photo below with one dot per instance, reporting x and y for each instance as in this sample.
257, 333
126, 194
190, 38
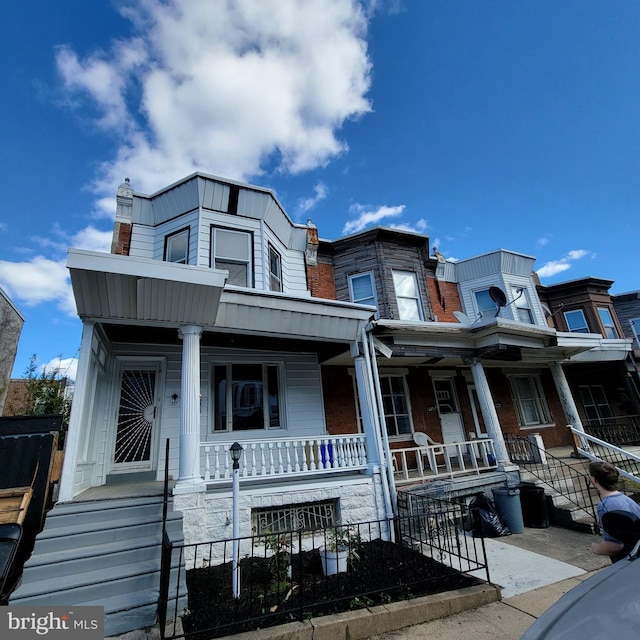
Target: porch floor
125, 490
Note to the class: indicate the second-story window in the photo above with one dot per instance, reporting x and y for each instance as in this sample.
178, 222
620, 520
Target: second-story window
522, 305
407, 297
275, 270
362, 289
576, 322
608, 325
486, 306
231, 250
176, 247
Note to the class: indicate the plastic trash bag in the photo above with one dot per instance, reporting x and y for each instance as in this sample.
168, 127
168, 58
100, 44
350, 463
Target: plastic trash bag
485, 519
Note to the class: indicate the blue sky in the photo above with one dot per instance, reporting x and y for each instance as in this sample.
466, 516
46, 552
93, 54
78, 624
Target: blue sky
483, 124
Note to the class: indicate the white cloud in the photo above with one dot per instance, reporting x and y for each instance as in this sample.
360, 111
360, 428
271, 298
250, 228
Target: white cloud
367, 216
38, 280
419, 227
66, 367
306, 204
224, 87
92, 239
553, 267
542, 242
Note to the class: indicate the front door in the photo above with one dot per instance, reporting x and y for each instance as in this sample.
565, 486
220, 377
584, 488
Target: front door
136, 420
449, 411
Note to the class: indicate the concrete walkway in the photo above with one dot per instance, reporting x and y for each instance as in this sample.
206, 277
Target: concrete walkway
509, 618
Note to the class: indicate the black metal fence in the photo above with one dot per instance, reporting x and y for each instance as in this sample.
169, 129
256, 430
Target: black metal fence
283, 577
557, 476
619, 430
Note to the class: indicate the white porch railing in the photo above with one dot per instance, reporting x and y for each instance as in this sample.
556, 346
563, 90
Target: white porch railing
435, 461
285, 457
627, 462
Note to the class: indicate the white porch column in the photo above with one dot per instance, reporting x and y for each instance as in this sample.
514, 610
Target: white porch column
367, 411
490, 417
189, 478
76, 422
566, 397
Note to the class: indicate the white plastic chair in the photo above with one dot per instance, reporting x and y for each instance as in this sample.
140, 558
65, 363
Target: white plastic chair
435, 450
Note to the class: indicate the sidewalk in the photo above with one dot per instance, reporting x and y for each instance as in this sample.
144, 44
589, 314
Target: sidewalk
532, 553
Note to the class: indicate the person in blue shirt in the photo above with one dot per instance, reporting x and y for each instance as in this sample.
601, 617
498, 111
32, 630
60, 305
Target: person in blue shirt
604, 477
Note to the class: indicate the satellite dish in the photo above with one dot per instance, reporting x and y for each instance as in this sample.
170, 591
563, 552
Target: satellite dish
462, 318
498, 296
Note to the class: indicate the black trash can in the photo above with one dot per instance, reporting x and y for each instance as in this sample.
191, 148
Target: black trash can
534, 506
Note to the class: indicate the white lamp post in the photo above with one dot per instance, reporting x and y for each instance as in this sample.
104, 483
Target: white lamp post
236, 453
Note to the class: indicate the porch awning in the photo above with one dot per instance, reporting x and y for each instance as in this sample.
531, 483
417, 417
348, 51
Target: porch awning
114, 287
533, 343
122, 289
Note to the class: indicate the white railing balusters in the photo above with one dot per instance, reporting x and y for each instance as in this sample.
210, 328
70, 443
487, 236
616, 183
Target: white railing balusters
285, 457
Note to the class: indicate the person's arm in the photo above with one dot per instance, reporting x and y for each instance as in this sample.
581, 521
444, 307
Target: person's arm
607, 548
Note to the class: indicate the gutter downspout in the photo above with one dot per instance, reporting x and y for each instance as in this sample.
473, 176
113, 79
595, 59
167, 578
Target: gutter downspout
388, 484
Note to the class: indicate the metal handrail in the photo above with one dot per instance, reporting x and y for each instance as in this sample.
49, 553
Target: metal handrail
557, 475
588, 446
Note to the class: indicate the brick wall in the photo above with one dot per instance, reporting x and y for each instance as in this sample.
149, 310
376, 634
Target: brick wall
121, 242
320, 281
445, 299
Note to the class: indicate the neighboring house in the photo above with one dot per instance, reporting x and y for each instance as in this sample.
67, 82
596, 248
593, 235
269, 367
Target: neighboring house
470, 354
11, 322
603, 380
217, 319
627, 308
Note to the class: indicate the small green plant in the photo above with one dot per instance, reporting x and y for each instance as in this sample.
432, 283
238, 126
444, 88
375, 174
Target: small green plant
341, 538
279, 566
359, 602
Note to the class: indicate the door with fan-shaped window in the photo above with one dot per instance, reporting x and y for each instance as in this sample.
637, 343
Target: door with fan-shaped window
134, 446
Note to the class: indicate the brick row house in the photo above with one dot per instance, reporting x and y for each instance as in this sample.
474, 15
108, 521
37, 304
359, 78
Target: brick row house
344, 368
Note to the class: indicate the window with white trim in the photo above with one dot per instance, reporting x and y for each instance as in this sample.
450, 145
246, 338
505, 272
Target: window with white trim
529, 401
576, 322
486, 306
522, 305
395, 400
407, 296
608, 324
362, 289
594, 401
231, 251
275, 270
176, 247
246, 396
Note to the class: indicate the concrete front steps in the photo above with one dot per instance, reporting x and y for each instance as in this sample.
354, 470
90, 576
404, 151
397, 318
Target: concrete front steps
103, 553
566, 505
